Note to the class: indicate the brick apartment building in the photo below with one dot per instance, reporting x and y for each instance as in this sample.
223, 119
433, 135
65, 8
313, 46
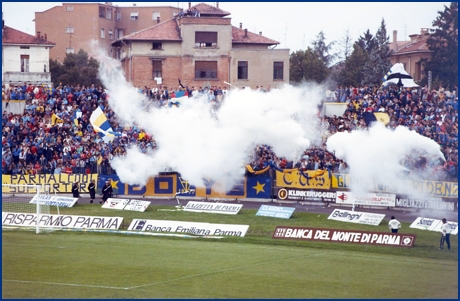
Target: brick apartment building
202, 51
72, 26
410, 53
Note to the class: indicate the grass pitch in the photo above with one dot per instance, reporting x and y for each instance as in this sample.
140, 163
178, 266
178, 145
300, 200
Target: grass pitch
99, 265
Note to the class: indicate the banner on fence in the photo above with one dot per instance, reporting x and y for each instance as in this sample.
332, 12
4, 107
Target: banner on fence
423, 187
61, 221
424, 203
59, 183
195, 228
356, 217
311, 179
345, 236
370, 199
259, 187
306, 195
275, 211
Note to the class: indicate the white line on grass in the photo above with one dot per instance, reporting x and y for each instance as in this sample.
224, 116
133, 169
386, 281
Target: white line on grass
215, 272
34, 246
65, 284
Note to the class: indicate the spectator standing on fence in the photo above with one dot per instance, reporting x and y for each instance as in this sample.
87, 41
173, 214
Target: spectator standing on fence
445, 234
75, 190
394, 225
106, 192
92, 190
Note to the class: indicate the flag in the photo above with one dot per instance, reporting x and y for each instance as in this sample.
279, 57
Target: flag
177, 97
102, 126
370, 117
382, 117
54, 119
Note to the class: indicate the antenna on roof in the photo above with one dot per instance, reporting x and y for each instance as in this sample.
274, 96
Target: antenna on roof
285, 34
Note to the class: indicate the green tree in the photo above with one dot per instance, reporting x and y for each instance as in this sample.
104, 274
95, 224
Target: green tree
76, 69
367, 42
379, 59
444, 46
322, 50
307, 65
352, 73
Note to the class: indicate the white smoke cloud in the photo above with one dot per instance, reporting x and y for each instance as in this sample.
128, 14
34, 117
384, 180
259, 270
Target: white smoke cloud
201, 146
375, 155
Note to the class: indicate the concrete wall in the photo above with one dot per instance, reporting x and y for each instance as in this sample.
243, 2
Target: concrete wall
38, 58
260, 67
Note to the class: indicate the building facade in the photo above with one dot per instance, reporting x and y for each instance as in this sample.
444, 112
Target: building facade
25, 58
201, 49
410, 53
74, 26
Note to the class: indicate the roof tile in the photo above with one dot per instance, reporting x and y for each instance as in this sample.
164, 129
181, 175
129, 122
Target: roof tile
14, 36
238, 36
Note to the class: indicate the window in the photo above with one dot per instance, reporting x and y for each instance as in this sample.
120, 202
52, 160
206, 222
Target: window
109, 14
24, 47
157, 46
69, 29
69, 8
156, 69
134, 16
110, 34
24, 63
243, 70
102, 33
205, 39
155, 15
119, 33
205, 70
278, 68
69, 50
101, 12
118, 16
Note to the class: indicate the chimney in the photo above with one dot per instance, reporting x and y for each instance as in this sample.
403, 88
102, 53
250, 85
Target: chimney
217, 4
245, 32
38, 34
189, 4
158, 19
241, 25
395, 40
260, 33
46, 37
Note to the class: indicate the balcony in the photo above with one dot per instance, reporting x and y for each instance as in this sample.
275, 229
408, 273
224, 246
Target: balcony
28, 77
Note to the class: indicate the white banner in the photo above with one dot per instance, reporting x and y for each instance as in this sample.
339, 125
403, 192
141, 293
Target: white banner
136, 205
61, 221
54, 200
126, 204
366, 218
188, 227
371, 199
432, 224
118, 204
213, 207
452, 225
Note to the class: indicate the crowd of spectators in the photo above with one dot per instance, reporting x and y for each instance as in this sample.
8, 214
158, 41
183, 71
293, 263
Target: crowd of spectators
431, 113
53, 135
